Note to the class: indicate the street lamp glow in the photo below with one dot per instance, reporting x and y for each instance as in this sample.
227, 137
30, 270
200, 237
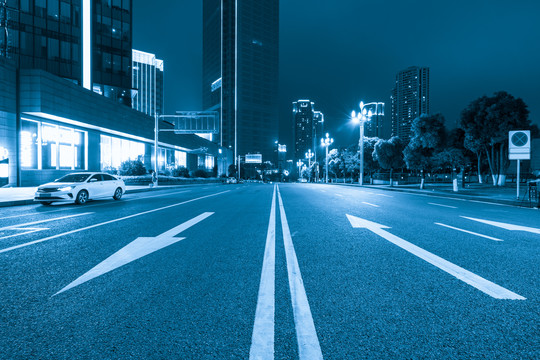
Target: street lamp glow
363, 116
326, 142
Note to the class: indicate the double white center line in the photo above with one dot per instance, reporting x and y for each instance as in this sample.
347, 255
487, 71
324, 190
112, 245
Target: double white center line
262, 342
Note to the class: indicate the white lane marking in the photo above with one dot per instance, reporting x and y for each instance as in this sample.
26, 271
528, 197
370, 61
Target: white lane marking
339, 195
363, 202
31, 230
506, 226
308, 343
323, 190
378, 194
441, 205
460, 273
136, 249
469, 232
95, 205
262, 340
11, 227
107, 222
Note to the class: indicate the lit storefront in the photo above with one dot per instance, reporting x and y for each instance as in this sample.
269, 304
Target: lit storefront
49, 146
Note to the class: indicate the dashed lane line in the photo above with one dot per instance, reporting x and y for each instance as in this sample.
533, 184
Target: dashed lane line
441, 205
11, 227
107, 222
469, 232
363, 202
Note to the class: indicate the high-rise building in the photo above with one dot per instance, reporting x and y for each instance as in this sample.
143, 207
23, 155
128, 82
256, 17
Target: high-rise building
85, 41
240, 72
307, 128
410, 99
148, 83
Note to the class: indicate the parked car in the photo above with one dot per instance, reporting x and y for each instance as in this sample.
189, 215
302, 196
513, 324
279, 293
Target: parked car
231, 180
80, 187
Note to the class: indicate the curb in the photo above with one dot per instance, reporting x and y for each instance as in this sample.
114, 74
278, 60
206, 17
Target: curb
131, 191
522, 204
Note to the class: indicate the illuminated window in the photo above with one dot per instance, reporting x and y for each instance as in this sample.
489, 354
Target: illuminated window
209, 162
114, 151
180, 158
48, 146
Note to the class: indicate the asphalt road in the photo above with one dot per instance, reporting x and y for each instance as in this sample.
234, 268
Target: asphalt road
287, 271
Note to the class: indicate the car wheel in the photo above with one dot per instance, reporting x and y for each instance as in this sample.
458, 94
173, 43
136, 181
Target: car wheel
46, 203
117, 194
82, 197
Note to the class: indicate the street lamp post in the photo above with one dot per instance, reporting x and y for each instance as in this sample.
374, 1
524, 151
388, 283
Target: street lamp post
299, 163
309, 155
326, 142
361, 118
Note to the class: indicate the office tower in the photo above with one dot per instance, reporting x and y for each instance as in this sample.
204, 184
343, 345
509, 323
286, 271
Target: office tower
85, 41
240, 72
374, 127
307, 129
148, 83
410, 99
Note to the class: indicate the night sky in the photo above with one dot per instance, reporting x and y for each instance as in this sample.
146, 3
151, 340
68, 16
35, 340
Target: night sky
337, 53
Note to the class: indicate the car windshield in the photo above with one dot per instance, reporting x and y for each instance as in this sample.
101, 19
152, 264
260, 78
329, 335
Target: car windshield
73, 178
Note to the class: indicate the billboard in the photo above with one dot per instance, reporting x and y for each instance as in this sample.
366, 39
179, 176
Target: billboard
254, 159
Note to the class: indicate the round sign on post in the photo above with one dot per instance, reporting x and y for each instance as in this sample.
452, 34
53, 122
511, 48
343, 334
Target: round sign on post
519, 145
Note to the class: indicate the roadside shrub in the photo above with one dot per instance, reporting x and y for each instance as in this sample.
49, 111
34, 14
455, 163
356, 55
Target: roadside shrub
110, 170
132, 167
180, 171
200, 173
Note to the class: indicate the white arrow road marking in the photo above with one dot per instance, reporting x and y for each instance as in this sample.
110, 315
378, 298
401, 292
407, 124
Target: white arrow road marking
363, 202
441, 205
107, 222
308, 343
469, 232
470, 278
135, 250
506, 226
262, 340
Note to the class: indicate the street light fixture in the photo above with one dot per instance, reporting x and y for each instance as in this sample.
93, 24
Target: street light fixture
327, 142
309, 155
361, 118
299, 163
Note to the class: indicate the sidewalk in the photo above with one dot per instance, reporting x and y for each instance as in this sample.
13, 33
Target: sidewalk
506, 195
25, 195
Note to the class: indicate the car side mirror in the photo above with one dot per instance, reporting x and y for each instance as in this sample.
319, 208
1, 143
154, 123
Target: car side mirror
92, 180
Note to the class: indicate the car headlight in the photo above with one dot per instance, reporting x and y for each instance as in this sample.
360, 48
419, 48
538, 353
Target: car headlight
66, 188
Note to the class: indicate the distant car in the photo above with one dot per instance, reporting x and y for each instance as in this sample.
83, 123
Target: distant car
231, 180
80, 187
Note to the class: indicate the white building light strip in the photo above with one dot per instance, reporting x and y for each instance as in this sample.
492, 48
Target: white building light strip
87, 44
98, 128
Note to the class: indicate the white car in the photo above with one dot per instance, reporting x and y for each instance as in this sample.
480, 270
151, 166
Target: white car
80, 187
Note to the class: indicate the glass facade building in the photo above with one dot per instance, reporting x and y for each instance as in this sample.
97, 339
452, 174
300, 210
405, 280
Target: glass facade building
147, 81
307, 129
410, 99
48, 35
240, 72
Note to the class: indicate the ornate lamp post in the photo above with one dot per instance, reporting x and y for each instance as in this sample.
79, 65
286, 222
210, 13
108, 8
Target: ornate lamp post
309, 155
361, 118
326, 142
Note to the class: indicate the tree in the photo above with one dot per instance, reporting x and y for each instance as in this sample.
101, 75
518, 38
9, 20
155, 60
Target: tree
487, 120
370, 164
428, 137
334, 163
389, 154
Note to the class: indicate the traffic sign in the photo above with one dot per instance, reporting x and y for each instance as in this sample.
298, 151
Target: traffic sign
519, 145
